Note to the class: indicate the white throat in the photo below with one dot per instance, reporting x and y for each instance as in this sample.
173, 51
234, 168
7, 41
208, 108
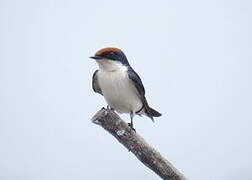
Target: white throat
109, 65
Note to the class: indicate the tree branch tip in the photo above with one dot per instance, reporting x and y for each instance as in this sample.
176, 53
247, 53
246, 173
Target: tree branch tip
100, 114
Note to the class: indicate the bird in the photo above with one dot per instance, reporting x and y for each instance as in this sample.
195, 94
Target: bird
120, 85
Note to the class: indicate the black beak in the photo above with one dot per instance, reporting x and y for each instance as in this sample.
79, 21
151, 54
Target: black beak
96, 57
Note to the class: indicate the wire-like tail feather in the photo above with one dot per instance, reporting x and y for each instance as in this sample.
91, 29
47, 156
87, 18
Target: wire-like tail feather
152, 113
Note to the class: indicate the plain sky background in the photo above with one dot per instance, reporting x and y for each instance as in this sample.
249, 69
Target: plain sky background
194, 58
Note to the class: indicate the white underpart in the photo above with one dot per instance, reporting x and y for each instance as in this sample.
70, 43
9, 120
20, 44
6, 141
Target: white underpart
117, 88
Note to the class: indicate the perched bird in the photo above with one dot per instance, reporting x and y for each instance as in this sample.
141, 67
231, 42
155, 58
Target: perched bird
120, 85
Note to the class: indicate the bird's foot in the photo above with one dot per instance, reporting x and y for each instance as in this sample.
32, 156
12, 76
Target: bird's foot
131, 127
110, 108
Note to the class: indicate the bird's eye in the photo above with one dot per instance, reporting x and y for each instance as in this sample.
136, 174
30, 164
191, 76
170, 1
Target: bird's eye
111, 53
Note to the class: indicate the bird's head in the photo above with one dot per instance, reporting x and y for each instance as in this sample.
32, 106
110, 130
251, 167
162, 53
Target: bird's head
110, 58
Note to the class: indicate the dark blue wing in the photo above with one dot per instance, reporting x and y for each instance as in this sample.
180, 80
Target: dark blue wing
137, 82
95, 83
133, 76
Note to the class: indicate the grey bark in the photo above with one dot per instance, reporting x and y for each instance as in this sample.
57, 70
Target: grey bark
112, 123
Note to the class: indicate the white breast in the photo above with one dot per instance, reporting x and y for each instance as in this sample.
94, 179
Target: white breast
118, 90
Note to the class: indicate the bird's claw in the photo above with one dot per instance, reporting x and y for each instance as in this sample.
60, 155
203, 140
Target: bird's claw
110, 108
131, 127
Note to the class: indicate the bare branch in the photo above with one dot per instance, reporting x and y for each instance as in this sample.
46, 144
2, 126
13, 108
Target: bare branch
112, 123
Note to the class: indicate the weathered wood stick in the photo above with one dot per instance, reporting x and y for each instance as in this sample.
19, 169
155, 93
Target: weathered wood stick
112, 123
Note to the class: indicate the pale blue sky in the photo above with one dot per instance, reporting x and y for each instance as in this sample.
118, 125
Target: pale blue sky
194, 58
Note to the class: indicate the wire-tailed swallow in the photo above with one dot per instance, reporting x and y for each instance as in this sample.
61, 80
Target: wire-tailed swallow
120, 85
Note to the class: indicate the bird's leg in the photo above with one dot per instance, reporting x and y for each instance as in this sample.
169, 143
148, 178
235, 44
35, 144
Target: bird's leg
131, 121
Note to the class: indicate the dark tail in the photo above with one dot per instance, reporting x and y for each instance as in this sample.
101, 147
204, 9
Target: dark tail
152, 113
149, 111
